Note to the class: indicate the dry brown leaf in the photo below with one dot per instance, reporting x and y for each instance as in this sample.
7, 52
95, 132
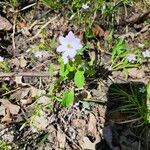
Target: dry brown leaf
22, 93
40, 122
25, 31
18, 79
44, 100
7, 118
92, 130
117, 74
36, 92
15, 61
2, 110
79, 123
61, 138
23, 62
85, 94
14, 109
26, 101
87, 144
5, 24
97, 30
136, 73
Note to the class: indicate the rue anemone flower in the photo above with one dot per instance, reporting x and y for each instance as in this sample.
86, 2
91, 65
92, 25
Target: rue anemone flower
85, 6
131, 58
38, 54
69, 45
146, 54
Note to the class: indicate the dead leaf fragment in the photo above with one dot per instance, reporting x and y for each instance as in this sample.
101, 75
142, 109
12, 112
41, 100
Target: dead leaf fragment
61, 138
36, 92
79, 123
88, 145
92, 130
136, 73
40, 122
23, 62
85, 94
14, 109
7, 118
97, 30
26, 101
18, 79
5, 25
2, 110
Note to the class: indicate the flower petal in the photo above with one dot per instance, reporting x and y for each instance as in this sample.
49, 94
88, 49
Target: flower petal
61, 48
70, 36
63, 40
72, 54
65, 58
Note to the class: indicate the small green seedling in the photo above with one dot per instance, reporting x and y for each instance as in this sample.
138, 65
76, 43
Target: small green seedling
3, 145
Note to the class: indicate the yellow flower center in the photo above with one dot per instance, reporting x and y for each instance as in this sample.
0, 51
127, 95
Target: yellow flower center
69, 46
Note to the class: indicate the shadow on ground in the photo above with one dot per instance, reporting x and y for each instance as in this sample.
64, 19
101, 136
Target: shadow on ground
126, 127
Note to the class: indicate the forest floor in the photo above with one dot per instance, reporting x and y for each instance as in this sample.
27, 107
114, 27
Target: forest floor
30, 120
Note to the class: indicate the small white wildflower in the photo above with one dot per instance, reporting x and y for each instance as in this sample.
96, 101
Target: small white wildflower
141, 45
85, 6
146, 54
131, 58
1, 59
142, 89
69, 46
38, 54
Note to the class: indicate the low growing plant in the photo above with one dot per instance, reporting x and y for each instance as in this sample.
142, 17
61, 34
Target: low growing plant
134, 101
72, 68
123, 57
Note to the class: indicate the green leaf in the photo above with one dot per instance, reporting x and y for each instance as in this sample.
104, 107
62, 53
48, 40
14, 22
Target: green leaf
51, 3
70, 66
68, 98
63, 70
79, 78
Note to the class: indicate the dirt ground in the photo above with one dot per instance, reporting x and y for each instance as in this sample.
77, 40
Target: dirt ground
89, 124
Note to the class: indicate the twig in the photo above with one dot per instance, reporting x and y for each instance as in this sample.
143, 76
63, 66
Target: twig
126, 14
13, 34
44, 26
26, 7
12, 91
27, 74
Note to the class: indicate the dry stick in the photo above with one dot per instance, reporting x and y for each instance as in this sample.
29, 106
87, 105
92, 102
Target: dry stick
44, 26
13, 34
26, 7
27, 74
12, 91
126, 14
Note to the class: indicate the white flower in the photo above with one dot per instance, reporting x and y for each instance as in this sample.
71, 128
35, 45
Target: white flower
38, 54
142, 89
141, 45
1, 59
131, 58
85, 6
146, 53
69, 46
